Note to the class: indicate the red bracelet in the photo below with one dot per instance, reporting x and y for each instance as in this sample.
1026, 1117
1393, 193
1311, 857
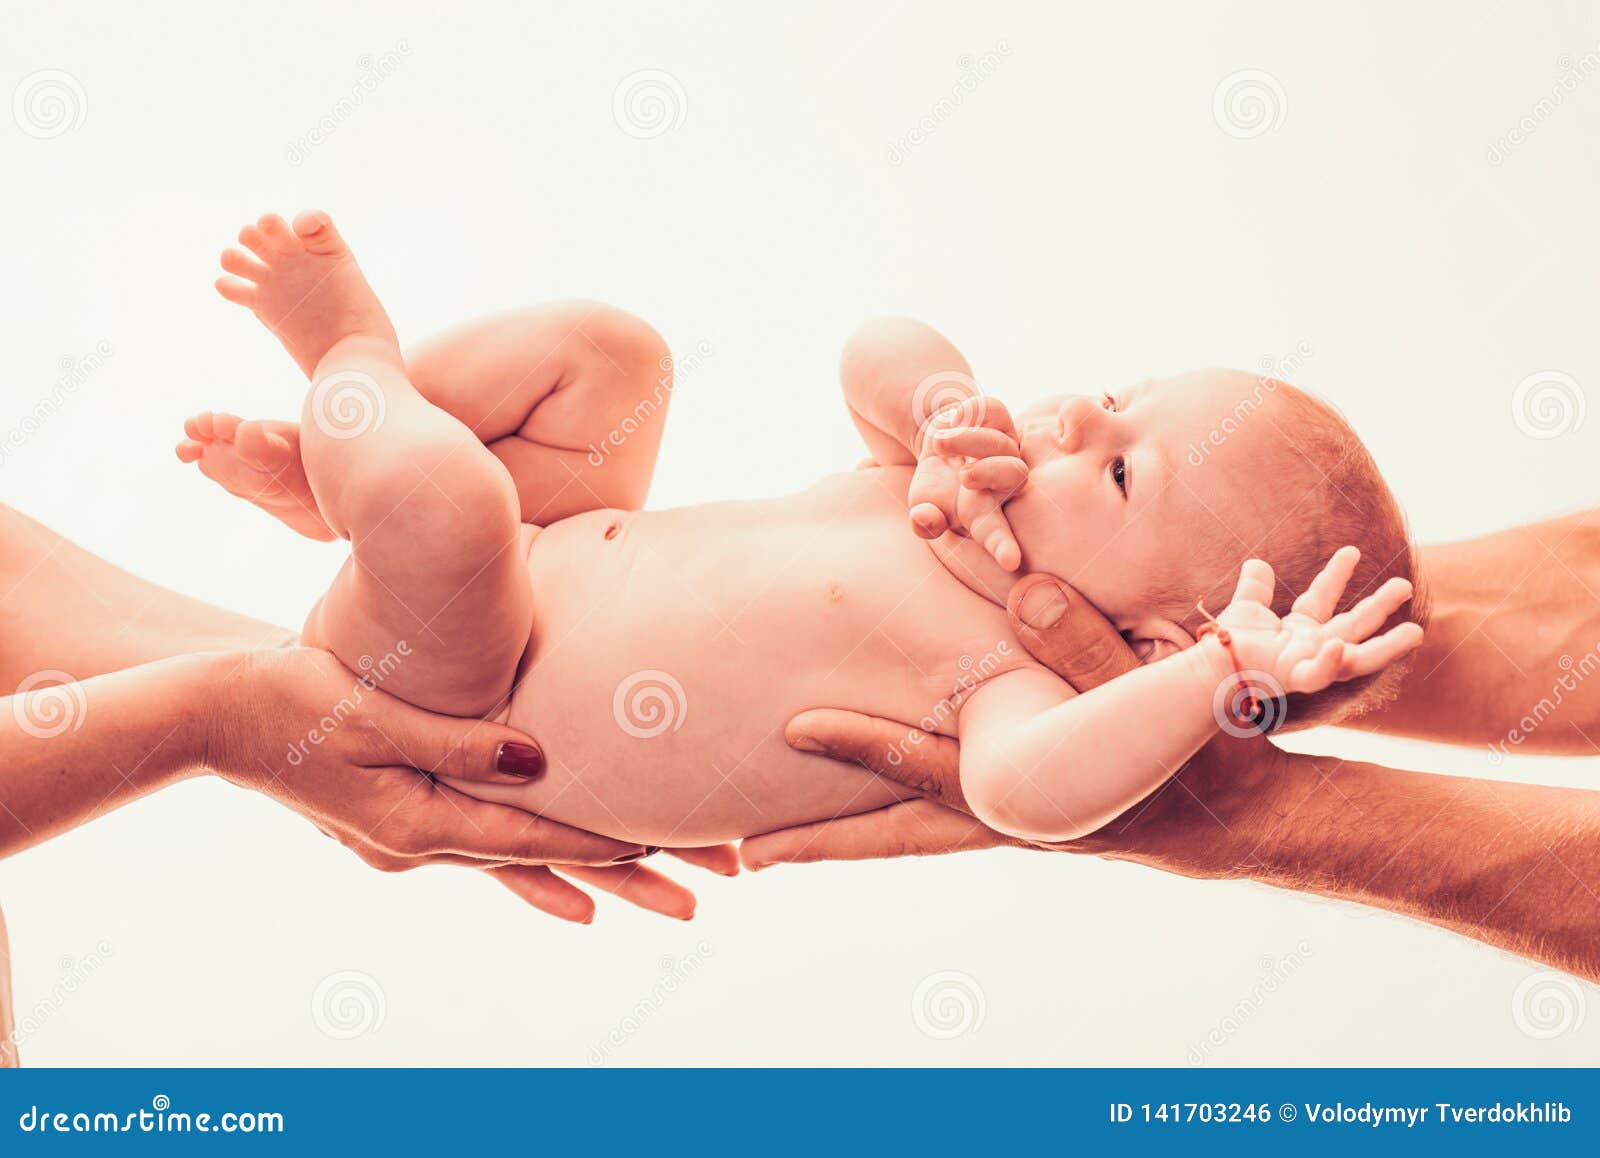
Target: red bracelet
1250, 711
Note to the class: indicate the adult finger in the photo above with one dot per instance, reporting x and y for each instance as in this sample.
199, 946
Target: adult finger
912, 828
450, 821
928, 764
454, 749
640, 886
547, 892
1063, 630
722, 859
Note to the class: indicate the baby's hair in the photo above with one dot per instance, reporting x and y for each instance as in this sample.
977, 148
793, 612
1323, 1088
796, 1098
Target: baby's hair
1327, 493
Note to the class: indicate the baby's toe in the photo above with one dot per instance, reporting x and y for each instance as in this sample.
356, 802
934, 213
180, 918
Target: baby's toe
226, 425
240, 293
316, 229
276, 230
200, 427
190, 451
262, 447
238, 262
255, 241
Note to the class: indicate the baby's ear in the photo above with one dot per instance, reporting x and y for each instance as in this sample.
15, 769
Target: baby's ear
1155, 637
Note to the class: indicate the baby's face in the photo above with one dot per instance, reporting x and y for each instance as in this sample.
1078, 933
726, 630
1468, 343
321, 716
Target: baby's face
1121, 486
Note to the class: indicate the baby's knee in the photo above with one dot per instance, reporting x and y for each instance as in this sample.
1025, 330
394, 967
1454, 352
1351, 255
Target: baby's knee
626, 344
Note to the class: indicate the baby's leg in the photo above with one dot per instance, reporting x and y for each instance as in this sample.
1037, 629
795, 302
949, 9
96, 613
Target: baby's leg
431, 515
571, 397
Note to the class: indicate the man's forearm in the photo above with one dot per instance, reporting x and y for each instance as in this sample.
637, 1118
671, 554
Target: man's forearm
1516, 866
64, 609
1512, 654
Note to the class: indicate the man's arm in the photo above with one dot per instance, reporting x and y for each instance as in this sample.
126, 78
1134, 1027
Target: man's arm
1514, 866
1513, 641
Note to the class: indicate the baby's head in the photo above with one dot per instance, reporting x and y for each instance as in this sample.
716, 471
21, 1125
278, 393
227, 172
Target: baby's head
1151, 497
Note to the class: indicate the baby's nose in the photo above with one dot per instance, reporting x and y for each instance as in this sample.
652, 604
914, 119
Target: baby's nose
1079, 416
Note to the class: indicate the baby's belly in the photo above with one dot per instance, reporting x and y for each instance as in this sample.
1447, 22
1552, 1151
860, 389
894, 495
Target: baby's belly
671, 648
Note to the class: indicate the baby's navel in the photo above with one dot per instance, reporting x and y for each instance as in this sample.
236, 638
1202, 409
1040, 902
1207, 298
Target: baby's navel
835, 592
611, 531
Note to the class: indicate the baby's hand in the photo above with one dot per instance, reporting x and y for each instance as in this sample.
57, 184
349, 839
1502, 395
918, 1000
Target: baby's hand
968, 465
1311, 647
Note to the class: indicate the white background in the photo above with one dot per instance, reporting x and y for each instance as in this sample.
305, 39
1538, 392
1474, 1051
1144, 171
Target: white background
1081, 220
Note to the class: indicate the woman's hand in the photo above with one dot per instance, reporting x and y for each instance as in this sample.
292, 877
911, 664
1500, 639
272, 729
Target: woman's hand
298, 726
1180, 827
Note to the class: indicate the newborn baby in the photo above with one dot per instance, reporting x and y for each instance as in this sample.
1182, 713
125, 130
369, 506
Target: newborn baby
657, 655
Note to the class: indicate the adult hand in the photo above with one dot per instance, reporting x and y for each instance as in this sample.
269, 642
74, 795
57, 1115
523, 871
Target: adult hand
296, 725
1183, 826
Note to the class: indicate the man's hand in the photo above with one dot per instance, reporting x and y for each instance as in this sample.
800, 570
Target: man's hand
968, 464
1184, 826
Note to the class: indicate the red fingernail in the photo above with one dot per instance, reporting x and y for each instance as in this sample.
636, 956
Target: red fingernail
521, 760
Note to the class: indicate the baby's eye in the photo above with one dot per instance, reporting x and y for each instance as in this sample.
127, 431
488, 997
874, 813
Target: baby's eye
1119, 474
1108, 402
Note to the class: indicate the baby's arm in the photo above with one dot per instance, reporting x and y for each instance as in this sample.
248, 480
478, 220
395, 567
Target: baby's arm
1041, 764
884, 364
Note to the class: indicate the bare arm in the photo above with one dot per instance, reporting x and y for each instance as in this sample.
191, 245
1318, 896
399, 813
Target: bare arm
1514, 637
1514, 866
896, 373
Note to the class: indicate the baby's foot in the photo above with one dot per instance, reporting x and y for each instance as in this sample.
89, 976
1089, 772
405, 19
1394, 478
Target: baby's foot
258, 461
306, 288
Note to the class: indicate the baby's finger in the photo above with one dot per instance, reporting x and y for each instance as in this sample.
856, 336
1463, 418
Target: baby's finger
242, 264
1321, 599
1369, 615
1375, 654
639, 886
993, 531
722, 859
545, 891
974, 442
929, 521
1255, 583
237, 291
1002, 475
